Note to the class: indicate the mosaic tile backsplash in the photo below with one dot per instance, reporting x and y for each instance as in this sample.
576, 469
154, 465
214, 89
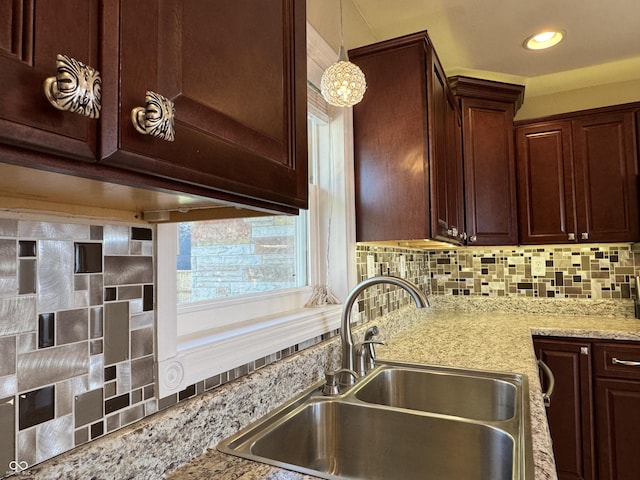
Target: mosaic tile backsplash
76, 335
77, 319
587, 271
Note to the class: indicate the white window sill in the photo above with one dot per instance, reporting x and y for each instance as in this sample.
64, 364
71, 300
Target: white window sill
221, 349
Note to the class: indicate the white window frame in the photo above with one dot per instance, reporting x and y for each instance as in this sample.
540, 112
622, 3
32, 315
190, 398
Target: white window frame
271, 321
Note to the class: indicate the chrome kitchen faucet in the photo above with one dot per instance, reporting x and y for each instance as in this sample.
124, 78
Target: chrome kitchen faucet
349, 349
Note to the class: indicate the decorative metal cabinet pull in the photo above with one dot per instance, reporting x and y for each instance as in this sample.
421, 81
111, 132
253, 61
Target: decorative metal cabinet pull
155, 118
628, 363
551, 379
76, 87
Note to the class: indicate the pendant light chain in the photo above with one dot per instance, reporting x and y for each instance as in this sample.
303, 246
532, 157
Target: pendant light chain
341, 28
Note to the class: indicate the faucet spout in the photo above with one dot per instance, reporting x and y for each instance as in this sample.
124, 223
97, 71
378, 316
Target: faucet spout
346, 336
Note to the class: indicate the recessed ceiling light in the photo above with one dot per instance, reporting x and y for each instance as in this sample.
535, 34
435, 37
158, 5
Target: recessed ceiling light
543, 40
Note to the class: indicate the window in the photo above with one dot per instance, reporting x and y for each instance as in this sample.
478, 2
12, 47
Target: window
241, 256
217, 311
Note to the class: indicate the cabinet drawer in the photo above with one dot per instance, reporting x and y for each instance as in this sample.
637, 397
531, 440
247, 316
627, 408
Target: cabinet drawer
619, 359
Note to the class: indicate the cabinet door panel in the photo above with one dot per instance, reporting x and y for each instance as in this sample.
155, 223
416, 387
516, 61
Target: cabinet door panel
606, 177
618, 421
490, 172
391, 159
570, 414
440, 214
236, 71
29, 44
455, 172
545, 180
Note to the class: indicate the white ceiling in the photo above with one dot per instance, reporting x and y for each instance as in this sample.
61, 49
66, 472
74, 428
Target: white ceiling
488, 34
601, 45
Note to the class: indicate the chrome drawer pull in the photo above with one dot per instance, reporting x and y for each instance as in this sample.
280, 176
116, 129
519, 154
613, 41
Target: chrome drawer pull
628, 363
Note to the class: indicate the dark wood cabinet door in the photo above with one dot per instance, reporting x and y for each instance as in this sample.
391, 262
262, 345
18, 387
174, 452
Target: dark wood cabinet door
455, 173
490, 172
606, 176
440, 214
236, 72
545, 183
390, 144
618, 426
570, 413
32, 34
408, 157
617, 406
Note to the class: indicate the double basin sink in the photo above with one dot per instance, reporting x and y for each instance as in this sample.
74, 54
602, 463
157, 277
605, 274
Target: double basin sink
401, 421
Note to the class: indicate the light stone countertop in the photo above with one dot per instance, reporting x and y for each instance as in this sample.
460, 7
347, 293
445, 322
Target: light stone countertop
179, 443
486, 341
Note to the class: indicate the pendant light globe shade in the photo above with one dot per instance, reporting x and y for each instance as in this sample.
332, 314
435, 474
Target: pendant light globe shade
343, 83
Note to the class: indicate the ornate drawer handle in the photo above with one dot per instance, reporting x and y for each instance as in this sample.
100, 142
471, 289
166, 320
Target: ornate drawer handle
628, 363
76, 87
155, 118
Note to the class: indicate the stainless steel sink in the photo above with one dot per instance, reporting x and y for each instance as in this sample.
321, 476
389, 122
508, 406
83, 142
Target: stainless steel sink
475, 396
367, 433
354, 441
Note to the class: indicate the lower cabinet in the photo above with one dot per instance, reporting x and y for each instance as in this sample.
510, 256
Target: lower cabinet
594, 416
570, 413
617, 406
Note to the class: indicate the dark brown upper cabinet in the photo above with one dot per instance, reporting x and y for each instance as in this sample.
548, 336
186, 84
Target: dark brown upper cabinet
32, 34
235, 71
402, 143
490, 200
447, 218
455, 174
577, 178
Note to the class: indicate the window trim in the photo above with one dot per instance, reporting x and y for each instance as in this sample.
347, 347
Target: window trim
191, 358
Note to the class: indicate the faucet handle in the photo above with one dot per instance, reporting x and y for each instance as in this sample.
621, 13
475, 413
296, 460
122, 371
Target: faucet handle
366, 355
331, 380
371, 332
368, 335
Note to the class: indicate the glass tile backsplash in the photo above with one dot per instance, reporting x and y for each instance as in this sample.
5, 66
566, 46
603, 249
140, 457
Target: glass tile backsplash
77, 319
573, 271
76, 334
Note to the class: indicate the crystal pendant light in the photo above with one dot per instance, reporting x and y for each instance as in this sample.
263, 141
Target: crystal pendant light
343, 83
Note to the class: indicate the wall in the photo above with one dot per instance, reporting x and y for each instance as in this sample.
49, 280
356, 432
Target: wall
586, 272
76, 334
77, 318
615, 93
570, 271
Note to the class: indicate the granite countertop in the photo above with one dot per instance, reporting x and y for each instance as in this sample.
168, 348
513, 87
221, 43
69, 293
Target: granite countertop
484, 340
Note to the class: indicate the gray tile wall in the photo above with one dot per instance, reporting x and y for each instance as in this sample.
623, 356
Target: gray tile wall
92, 286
